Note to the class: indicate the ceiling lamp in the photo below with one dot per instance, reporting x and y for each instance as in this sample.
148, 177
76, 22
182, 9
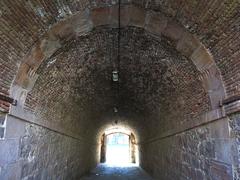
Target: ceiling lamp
115, 77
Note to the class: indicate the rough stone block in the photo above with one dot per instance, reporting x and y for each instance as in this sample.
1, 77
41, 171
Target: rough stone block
100, 16
15, 128
35, 57
173, 31
82, 23
49, 46
201, 57
155, 23
125, 16
188, 44
63, 31
220, 170
218, 129
212, 83
199, 175
113, 16
8, 151
27, 69
224, 150
11, 171
22, 75
137, 16
105, 16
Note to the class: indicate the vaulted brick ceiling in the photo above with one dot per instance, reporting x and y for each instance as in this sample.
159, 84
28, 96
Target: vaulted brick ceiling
75, 84
153, 74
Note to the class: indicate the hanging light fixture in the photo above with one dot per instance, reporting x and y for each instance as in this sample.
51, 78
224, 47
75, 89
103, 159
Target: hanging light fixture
115, 76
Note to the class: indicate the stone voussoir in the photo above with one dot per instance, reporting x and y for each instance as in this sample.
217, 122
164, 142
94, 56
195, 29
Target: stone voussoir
105, 16
155, 22
173, 30
187, 44
202, 58
137, 16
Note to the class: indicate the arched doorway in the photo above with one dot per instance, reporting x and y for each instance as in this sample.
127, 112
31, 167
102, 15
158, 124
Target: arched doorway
118, 148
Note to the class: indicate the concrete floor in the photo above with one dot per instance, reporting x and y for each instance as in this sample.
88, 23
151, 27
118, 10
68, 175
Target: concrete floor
111, 172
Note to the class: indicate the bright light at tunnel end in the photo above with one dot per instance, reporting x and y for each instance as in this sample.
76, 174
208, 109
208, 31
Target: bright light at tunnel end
118, 148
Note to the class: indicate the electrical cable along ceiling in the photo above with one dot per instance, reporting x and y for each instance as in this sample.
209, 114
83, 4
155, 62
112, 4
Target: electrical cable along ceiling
116, 66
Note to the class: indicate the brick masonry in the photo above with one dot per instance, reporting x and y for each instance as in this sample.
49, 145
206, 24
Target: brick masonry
140, 62
174, 56
216, 24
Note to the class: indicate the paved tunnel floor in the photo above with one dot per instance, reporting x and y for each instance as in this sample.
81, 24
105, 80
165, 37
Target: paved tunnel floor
108, 172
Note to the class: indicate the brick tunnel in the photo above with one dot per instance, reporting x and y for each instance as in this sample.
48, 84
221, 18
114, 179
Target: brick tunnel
166, 71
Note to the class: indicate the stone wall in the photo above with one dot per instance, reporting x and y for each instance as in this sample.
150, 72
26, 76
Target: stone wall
30, 151
204, 152
51, 155
235, 133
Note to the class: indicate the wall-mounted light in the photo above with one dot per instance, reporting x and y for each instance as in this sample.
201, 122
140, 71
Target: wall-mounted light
115, 77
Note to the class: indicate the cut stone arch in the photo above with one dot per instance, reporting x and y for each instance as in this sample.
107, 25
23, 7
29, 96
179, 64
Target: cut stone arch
133, 145
153, 22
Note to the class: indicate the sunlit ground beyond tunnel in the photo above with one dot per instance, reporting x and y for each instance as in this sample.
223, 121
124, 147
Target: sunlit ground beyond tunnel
118, 149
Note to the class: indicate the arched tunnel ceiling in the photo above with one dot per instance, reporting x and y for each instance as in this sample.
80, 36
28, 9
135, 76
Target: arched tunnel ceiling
155, 79
214, 22
25, 23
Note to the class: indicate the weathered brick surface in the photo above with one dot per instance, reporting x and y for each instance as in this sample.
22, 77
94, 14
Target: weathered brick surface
22, 24
67, 10
153, 74
217, 24
158, 80
74, 87
38, 17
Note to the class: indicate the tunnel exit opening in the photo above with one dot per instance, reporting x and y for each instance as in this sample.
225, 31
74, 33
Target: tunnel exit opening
119, 148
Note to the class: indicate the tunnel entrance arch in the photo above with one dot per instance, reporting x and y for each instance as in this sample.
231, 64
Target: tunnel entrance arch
118, 147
